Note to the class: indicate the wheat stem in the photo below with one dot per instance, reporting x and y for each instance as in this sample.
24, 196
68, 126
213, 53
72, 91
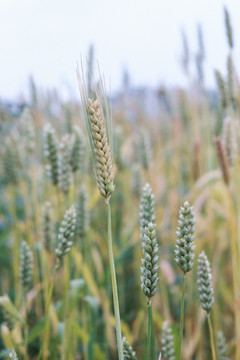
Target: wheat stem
64, 354
149, 332
25, 330
235, 267
114, 286
150, 338
211, 337
181, 319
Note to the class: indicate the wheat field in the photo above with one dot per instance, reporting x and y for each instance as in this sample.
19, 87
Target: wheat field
120, 227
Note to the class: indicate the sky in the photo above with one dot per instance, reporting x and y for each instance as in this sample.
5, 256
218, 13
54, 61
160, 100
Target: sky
46, 38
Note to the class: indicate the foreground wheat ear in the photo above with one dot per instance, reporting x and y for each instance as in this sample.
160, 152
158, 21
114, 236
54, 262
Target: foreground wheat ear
99, 136
184, 254
150, 267
205, 282
102, 153
206, 293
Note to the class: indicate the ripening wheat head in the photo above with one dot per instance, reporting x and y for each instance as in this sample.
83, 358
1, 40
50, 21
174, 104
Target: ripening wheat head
102, 153
98, 127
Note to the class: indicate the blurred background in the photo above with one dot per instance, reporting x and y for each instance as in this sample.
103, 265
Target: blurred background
45, 39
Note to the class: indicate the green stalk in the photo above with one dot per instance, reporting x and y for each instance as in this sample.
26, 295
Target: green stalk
153, 338
149, 332
45, 329
64, 352
211, 337
181, 319
235, 268
150, 337
114, 286
86, 312
39, 267
25, 325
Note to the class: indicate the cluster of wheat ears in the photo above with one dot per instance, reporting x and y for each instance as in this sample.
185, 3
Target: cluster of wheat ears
164, 245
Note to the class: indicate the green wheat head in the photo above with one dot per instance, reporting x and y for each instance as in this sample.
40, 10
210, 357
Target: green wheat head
205, 285
167, 341
50, 146
64, 168
82, 213
26, 265
150, 267
184, 252
147, 208
77, 154
66, 233
128, 353
47, 227
222, 346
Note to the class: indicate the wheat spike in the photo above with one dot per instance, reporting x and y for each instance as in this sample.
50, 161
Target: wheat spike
102, 153
150, 265
228, 27
168, 350
205, 282
26, 265
184, 252
66, 233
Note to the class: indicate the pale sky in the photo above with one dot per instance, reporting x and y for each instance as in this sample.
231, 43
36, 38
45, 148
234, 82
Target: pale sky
45, 38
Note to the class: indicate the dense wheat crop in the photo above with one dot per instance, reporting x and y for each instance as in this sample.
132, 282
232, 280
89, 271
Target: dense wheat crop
120, 228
